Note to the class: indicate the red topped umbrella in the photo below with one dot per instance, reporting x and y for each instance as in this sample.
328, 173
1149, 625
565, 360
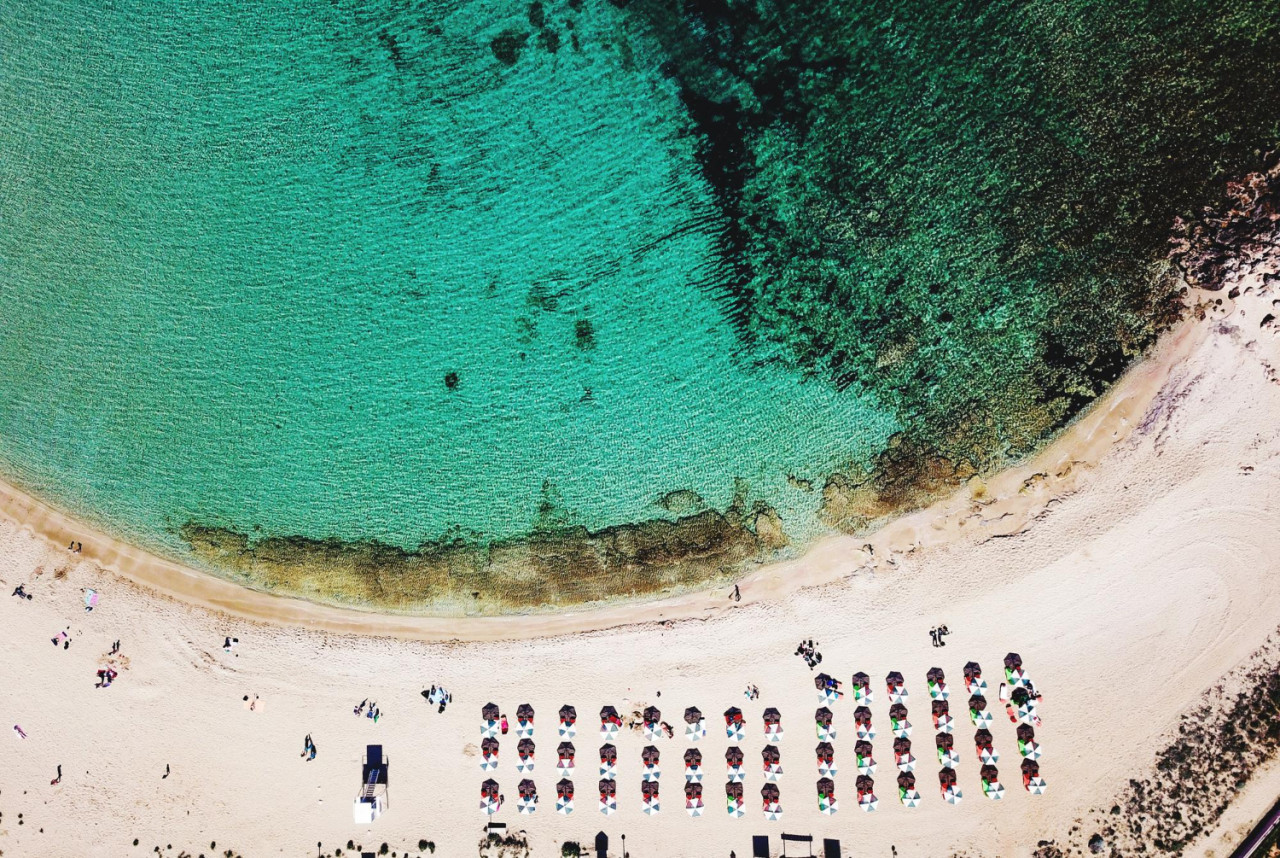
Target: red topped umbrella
893, 679
939, 708
861, 680
862, 715
772, 716
489, 789
608, 754
901, 746
733, 756
990, 774
527, 789
566, 751
972, 670
609, 715
524, 712
898, 712
1026, 733
733, 790
946, 778
692, 792
693, 757
945, 741
488, 746
525, 748
649, 790
770, 754
862, 748
568, 715
906, 781
865, 785
564, 789
770, 793
982, 738
1030, 768
977, 703
826, 788
649, 756
825, 752
733, 715
608, 789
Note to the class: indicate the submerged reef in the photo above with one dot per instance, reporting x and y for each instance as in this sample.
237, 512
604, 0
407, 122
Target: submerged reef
553, 567
962, 208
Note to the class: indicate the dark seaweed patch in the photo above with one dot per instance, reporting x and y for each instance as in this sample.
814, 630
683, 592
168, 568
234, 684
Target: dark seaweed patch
506, 46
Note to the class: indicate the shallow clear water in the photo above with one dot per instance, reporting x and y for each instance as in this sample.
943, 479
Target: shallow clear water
241, 251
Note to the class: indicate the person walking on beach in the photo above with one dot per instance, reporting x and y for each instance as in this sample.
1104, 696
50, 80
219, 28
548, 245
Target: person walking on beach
737, 594
166, 772
933, 635
19, 731
359, 710
504, 728
58, 779
309, 748
21, 592
942, 631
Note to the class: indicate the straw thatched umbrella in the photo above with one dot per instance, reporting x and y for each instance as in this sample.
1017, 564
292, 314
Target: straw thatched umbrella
977, 703
935, 674
901, 746
489, 789
524, 712
693, 757
860, 680
825, 751
770, 793
1020, 696
939, 708
822, 716
1030, 768
733, 715
946, 778
826, 788
608, 755
608, 789
772, 716
862, 748
692, 792
972, 670
565, 751
488, 746
983, 738
490, 712
564, 789
865, 784
907, 781
894, 680
609, 715
692, 715
990, 774
945, 741
652, 714
1013, 661
568, 715
822, 682
649, 791
525, 748
862, 715
733, 790
649, 756
898, 712
528, 789
770, 754
733, 756
1026, 733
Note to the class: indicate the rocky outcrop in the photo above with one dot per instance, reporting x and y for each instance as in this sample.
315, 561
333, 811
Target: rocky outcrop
1216, 251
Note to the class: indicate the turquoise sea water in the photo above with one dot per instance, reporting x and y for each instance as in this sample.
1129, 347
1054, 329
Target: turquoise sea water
240, 251
399, 270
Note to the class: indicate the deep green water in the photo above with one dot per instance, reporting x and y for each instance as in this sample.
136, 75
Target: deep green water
391, 271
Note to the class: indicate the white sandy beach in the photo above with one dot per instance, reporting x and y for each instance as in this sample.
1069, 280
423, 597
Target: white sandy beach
1132, 564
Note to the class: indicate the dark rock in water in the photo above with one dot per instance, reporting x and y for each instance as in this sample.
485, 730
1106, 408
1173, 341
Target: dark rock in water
451, 380
506, 46
549, 40
584, 334
1097, 844
537, 14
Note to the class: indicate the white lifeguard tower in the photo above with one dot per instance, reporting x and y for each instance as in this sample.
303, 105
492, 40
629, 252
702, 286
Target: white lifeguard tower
372, 800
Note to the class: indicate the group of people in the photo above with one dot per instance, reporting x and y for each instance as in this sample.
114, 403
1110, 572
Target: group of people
437, 695
809, 653
74, 547
937, 633
21, 593
373, 712
106, 676
751, 693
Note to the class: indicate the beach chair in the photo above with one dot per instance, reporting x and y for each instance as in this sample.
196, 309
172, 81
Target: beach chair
760, 846
806, 839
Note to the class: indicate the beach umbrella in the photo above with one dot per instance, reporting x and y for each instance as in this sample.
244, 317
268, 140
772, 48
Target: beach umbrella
972, 671
608, 797
906, 781
693, 791
488, 745
608, 788
901, 746
953, 795
1030, 769
693, 757
1020, 697
652, 714
861, 680
1036, 786
1013, 661
770, 793
564, 788
989, 774
825, 751
733, 756
692, 715
732, 790
526, 747
490, 712
864, 784
650, 756
733, 715
1030, 750
826, 787
862, 716
610, 715
977, 703
566, 751
945, 741
527, 788
822, 716
935, 674
938, 708
822, 682
1026, 733
568, 715
524, 712
772, 716
608, 754
770, 754
893, 679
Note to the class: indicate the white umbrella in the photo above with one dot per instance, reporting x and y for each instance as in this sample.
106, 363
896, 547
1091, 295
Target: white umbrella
869, 768
1031, 750
911, 798
827, 696
608, 770
773, 812
694, 732
693, 774
827, 770
652, 732
946, 723
652, 807
982, 720
488, 807
489, 729
524, 765
488, 764
867, 733
736, 775
906, 763
651, 773
734, 732
954, 795
902, 729
976, 686
609, 731
526, 805
1036, 786
869, 803
564, 806
568, 731
939, 691
995, 791
773, 732
772, 772
694, 807
735, 809
990, 757
826, 734
524, 728
863, 697
610, 807
828, 807
565, 771
950, 759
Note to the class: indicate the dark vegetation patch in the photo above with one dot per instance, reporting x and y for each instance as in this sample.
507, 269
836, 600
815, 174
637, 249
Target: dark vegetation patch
506, 46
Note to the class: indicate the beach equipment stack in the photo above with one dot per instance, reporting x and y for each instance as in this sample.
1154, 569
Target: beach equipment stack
693, 765
828, 689
824, 721
525, 749
565, 754
528, 802
649, 793
733, 758
772, 759
564, 797
861, 685
772, 725
734, 728
826, 759
827, 796
608, 762
608, 797
524, 720
771, 798
867, 800
489, 715
652, 723
695, 725
693, 798
610, 723
489, 797
733, 799
568, 722
907, 792
488, 754
649, 757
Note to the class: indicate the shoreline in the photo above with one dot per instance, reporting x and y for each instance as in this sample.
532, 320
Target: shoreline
1001, 505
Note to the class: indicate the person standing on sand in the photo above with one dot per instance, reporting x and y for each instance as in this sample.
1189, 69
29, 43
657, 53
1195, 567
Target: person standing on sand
58, 779
166, 772
19, 731
504, 730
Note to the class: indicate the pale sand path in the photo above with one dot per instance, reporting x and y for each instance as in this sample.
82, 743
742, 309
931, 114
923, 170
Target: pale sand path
1134, 586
